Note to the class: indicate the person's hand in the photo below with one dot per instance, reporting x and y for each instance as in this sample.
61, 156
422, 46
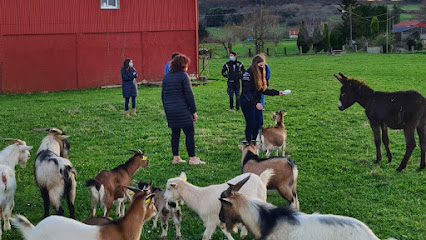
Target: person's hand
194, 117
259, 106
134, 73
286, 92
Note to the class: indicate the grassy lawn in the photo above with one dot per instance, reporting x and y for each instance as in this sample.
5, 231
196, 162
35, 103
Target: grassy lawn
334, 150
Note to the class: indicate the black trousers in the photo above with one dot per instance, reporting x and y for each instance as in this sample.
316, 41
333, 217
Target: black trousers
234, 88
189, 140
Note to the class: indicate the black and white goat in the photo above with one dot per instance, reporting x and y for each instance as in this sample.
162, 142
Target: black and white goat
57, 227
165, 210
203, 200
10, 156
54, 173
265, 221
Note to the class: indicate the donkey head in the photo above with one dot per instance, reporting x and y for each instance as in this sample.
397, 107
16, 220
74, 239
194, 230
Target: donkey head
347, 96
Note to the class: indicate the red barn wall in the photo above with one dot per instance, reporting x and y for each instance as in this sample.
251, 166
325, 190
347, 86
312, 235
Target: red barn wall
48, 45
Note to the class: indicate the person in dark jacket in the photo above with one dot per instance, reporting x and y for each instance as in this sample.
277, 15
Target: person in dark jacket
179, 106
233, 70
253, 86
129, 86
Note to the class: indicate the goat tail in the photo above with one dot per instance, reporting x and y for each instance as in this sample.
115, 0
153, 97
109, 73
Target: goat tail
93, 183
23, 224
266, 175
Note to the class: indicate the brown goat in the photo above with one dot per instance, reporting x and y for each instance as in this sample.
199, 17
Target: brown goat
274, 138
127, 228
285, 171
107, 187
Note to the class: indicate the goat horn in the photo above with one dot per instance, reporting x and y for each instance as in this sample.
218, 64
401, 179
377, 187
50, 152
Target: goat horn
237, 187
52, 130
341, 74
134, 151
13, 140
133, 189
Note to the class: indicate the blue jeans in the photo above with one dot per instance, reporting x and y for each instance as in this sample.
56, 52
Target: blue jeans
126, 103
254, 120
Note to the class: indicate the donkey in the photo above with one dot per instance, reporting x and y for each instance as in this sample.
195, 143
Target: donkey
397, 110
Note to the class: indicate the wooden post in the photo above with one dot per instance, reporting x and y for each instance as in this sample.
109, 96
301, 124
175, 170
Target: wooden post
300, 50
249, 52
267, 51
285, 51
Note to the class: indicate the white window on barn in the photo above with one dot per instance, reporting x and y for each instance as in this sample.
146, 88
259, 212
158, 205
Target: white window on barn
110, 4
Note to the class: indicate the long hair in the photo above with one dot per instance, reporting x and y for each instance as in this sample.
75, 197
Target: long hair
179, 63
259, 74
126, 64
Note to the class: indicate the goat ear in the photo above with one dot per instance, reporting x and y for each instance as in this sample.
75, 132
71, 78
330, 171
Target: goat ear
284, 112
241, 147
149, 198
225, 201
245, 143
240, 184
63, 137
183, 176
25, 148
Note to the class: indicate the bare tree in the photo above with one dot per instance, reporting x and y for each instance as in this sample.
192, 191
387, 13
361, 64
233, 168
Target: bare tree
275, 34
227, 38
258, 23
242, 34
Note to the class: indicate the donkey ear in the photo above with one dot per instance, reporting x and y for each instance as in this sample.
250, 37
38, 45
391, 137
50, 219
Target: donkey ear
340, 80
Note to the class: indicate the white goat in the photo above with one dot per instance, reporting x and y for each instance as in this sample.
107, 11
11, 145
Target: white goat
54, 173
204, 200
57, 227
265, 221
10, 156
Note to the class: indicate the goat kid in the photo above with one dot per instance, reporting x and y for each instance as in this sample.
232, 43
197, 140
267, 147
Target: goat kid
285, 177
54, 173
203, 200
274, 138
60, 228
265, 221
107, 187
10, 156
165, 210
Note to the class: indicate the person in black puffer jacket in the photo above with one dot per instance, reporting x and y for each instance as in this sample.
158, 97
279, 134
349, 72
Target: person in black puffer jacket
179, 106
253, 86
233, 70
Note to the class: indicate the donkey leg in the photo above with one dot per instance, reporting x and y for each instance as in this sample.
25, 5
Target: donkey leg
385, 139
410, 144
377, 141
422, 140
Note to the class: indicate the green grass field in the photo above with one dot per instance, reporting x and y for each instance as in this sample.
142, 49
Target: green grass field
334, 150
